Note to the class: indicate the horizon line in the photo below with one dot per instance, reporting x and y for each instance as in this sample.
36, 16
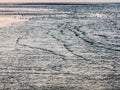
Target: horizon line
56, 2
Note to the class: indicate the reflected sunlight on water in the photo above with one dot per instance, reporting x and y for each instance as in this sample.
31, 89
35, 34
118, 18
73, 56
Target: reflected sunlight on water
8, 20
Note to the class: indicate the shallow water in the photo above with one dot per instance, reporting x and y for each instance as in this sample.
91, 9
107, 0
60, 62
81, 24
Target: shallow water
65, 47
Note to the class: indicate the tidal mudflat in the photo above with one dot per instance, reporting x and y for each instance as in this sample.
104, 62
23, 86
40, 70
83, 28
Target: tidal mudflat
60, 47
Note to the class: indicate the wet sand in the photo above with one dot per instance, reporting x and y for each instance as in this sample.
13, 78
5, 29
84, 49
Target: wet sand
75, 48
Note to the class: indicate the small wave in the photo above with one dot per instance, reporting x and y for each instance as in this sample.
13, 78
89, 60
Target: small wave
97, 15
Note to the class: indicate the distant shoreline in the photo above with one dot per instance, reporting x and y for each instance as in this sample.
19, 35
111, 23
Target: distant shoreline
58, 3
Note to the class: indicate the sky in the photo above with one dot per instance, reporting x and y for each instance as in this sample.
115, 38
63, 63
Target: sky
2, 1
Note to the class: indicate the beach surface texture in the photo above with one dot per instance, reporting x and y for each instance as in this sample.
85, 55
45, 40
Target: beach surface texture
60, 47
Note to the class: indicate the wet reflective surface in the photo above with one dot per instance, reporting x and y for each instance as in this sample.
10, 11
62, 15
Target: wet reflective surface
65, 47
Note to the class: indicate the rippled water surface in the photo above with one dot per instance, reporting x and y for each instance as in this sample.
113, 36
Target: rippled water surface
60, 47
